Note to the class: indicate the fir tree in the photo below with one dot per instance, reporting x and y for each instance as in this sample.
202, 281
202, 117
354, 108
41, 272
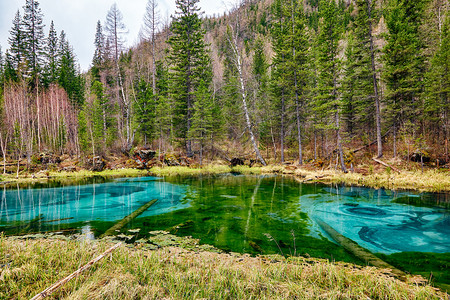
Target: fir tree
34, 38
16, 55
190, 64
361, 91
403, 65
68, 75
437, 93
145, 110
52, 58
203, 117
330, 30
99, 54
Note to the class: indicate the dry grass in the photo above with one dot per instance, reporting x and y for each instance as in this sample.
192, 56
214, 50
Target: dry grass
28, 267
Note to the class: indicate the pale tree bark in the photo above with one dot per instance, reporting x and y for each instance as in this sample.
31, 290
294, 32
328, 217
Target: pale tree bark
375, 83
297, 98
232, 39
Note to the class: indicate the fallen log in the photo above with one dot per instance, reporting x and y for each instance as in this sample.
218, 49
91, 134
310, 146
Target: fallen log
54, 287
360, 252
128, 218
386, 165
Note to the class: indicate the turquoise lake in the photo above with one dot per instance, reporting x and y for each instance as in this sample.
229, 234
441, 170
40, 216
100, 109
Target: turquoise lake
254, 214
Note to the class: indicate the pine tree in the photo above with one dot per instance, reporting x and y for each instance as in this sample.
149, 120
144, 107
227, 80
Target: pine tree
203, 117
16, 55
437, 93
145, 110
34, 38
68, 75
190, 64
279, 85
99, 54
330, 30
403, 64
52, 58
361, 82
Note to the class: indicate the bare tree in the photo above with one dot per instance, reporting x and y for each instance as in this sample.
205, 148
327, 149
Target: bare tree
237, 60
149, 30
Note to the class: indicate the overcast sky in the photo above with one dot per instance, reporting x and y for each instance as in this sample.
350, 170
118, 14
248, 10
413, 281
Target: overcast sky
78, 18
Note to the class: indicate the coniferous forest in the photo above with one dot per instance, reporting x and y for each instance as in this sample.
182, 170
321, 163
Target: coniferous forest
313, 81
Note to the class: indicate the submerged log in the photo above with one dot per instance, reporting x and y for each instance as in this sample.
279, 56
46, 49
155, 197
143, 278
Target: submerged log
175, 228
360, 252
23, 227
127, 219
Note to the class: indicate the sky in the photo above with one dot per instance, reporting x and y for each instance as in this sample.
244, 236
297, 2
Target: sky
78, 18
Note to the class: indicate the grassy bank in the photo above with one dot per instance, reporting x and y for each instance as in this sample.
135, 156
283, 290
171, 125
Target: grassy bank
29, 266
428, 181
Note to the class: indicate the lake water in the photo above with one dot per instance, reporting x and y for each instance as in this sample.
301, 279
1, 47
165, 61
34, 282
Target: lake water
268, 214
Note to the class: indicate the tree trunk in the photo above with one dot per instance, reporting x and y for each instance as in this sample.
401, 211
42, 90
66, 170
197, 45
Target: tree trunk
282, 134
297, 98
238, 62
375, 83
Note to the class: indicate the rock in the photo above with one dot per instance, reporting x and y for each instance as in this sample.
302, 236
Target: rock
48, 158
144, 158
236, 162
417, 156
96, 164
171, 160
69, 169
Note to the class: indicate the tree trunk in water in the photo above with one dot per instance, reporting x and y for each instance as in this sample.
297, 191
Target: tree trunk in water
375, 84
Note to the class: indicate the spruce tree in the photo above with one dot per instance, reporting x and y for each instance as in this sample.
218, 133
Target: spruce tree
328, 98
145, 108
99, 53
189, 64
361, 87
437, 93
16, 55
203, 117
34, 38
68, 74
52, 58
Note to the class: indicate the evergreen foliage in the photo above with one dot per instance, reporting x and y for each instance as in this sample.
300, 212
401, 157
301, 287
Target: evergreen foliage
189, 64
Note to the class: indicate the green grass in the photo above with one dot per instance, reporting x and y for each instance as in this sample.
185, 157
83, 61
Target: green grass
28, 267
187, 171
428, 181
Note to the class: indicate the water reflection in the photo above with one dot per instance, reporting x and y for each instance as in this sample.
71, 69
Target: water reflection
375, 220
77, 203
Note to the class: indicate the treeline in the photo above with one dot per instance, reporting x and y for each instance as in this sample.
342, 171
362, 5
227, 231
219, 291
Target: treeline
271, 79
40, 89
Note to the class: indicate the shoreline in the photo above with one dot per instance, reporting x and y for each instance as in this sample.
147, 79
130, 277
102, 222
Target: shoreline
434, 181
178, 263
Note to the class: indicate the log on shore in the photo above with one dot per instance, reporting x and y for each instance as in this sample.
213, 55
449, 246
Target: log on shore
360, 252
386, 165
127, 219
47, 292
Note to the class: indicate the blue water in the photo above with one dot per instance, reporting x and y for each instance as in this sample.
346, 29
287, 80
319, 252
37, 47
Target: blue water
234, 210
109, 201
